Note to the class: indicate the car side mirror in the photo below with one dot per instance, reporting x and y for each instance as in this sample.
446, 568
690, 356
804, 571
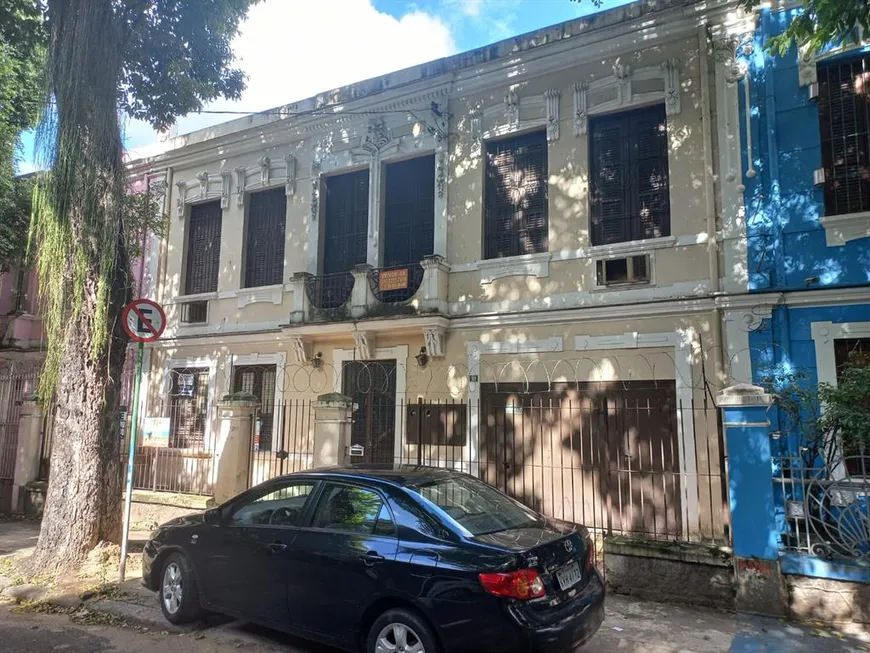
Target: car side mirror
213, 516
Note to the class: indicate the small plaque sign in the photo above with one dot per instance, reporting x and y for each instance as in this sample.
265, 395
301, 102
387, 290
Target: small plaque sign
156, 432
356, 450
393, 279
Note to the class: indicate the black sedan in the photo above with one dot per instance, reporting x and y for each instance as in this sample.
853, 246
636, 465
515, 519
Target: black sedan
375, 559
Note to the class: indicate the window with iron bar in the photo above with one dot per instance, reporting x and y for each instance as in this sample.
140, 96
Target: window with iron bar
346, 221
409, 210
515, 200
264, 238
628, 170
203, 248
844, 122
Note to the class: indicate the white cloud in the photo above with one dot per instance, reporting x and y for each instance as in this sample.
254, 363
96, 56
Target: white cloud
293, 50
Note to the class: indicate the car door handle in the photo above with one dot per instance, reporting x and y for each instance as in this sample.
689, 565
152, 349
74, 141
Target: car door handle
372, 557
276, 547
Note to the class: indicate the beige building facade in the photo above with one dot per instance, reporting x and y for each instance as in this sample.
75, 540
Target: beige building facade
537, 235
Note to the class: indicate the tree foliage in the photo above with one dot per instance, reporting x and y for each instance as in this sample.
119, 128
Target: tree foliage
155, 60
820, 23
817, 24
22, 49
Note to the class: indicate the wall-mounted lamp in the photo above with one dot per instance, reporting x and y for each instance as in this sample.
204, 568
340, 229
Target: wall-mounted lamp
422, 357
317, 360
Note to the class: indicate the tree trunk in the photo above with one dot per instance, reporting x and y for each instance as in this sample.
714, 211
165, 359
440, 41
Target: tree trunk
83, 503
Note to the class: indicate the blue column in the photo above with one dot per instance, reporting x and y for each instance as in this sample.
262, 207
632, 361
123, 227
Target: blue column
750, 489
750, 481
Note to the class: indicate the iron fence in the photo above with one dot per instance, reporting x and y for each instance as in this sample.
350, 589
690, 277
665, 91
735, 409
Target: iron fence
619, 465
825, 505
14, 386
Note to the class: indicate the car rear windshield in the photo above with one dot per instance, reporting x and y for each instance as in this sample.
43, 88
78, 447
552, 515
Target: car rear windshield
477, 507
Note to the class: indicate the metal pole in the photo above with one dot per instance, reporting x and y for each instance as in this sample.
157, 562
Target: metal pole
128, 497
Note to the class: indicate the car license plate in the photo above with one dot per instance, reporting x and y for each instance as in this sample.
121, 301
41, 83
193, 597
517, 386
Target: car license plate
569, 576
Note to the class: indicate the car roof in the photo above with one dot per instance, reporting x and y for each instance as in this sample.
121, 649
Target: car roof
388, 474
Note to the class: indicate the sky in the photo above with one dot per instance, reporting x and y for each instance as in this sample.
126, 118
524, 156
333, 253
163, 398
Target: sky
293, 49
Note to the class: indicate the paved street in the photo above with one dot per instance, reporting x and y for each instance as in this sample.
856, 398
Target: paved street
631, 627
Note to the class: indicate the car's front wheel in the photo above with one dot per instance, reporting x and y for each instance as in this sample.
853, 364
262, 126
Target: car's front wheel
400, 631
179, 593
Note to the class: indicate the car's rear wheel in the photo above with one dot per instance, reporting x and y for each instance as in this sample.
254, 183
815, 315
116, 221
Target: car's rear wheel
179, 593
400, 631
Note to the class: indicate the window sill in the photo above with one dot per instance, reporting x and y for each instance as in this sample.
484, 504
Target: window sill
631, 247
527, 265
840, 229
260, 295
199, 297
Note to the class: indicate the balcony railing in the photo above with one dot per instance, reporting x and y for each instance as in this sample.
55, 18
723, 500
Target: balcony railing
364, 292
329, 291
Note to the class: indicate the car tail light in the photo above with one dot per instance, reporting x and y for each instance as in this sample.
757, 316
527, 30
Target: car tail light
524, 584
590, 553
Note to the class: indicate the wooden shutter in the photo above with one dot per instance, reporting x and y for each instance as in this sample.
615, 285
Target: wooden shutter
629, 173
409, 211
346, 221
844, 120
203, 248
515, 216
264, 255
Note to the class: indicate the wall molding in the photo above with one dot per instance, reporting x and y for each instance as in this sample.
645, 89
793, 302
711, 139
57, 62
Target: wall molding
260, 295
840, 229
621, 82
582, 299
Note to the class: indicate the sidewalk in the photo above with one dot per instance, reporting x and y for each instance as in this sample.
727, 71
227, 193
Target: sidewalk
631, 625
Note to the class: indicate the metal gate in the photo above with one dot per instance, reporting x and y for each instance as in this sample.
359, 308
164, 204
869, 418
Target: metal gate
607, 457
13, 388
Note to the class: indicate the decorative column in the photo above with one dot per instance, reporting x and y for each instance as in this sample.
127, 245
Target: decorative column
333, 417
433, 288
232, 457
750, 488
299, 310
361, 297
27, 451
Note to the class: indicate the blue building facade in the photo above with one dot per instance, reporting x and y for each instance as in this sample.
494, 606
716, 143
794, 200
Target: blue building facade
805, 146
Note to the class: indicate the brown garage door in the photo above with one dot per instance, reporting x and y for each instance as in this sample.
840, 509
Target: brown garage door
604, 455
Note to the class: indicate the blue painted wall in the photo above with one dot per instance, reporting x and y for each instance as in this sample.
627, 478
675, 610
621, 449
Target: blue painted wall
786, 240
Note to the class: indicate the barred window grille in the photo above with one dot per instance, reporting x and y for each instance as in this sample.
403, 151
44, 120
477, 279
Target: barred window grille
346, 218
515, 215
844, 121
259, 380
264, 252
628, 167
409, 211
188, 407
203, 248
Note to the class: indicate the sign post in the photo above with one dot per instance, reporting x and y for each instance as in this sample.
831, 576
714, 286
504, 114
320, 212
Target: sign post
144, 321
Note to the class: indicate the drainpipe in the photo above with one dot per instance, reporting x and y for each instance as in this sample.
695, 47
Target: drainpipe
159, 282
143, 244
704, 48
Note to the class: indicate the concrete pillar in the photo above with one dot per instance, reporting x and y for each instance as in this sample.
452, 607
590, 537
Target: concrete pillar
361, 297
333, 416
235, 440
750, 488
27, 451
299, 310
433, 289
